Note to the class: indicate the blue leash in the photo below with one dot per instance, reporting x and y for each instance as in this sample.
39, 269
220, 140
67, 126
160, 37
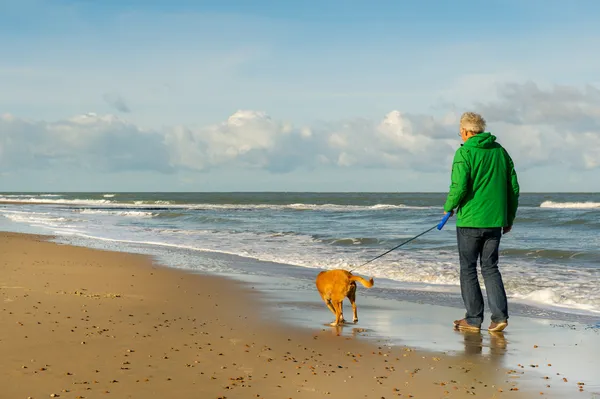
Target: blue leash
439, 226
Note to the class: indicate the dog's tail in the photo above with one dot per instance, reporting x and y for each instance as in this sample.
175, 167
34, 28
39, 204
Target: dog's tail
364, 282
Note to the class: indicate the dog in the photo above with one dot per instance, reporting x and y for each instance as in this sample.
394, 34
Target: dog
334, 286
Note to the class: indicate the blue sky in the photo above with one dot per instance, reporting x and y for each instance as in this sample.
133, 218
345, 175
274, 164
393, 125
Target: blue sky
272, 95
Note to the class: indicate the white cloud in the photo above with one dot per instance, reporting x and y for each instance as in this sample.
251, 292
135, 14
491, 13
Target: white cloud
558, 125
539, 127
247, 139
91, 142
563, 107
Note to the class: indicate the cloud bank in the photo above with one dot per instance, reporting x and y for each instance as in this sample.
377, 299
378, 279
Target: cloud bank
538, 126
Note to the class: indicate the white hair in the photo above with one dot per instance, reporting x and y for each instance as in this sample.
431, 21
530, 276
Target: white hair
472, 122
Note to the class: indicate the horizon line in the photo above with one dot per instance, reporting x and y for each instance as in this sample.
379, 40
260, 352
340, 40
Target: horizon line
274, 192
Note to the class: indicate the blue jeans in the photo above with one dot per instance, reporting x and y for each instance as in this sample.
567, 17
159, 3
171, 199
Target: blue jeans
483, 244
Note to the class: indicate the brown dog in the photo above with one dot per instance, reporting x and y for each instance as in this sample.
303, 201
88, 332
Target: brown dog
334, 286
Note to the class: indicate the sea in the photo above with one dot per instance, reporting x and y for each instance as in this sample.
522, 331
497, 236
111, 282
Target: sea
550, 261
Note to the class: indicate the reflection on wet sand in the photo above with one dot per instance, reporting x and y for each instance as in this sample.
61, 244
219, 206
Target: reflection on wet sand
474, 342
338, 330
497, 343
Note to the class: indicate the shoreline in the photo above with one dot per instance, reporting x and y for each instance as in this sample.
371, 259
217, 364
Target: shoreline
542, 301
89, 321
546, 305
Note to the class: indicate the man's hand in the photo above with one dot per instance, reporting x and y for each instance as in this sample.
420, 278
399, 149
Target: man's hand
506, 229
451, 213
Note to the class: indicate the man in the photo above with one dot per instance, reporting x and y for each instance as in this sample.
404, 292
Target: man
485, 190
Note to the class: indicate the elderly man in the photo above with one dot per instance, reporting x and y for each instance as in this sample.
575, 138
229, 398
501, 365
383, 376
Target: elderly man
485, 192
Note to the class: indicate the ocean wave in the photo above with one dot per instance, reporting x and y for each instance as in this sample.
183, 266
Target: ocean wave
35, 219
137, 214
551, 254
558, 298
343, 208
584, 218
39, 200
160, 204
350, 241
204, 219
570, 205
169, 215
31, 195
577, 222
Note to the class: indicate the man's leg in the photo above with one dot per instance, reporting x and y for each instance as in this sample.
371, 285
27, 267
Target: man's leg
469, 248
492, 278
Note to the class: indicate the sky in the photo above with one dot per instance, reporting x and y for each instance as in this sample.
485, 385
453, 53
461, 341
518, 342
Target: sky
148, 95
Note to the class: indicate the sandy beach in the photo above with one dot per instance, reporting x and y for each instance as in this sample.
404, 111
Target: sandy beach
83, 323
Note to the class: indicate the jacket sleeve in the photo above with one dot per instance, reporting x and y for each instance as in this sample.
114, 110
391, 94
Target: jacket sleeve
512, 191
459, 181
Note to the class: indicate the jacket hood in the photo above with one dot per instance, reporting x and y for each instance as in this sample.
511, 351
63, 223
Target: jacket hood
481, 140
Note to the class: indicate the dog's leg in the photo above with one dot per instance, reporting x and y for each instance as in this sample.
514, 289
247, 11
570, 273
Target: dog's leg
352, 298
330, 307
338, 313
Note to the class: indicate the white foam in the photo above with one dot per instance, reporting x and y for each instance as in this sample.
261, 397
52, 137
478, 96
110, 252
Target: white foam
138, 214
555, 299
55, 201
149, 203
34, 219
570, 205
207, 206
335, 207
31, 195
386, 206
153, 243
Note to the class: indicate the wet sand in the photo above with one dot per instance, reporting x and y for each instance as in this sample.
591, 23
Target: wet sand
554, 358
83, 323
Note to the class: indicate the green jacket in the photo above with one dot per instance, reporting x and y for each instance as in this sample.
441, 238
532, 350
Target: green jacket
484, 184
